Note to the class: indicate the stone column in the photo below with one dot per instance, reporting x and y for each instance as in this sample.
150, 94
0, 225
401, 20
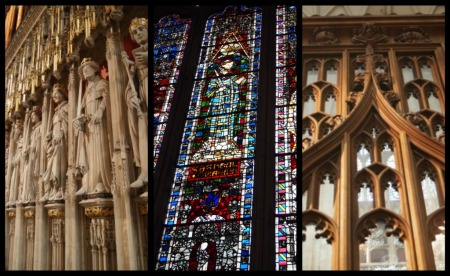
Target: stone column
73, 210
18, 260
10, 237
41, 234
57, 237
100, 215
29, 220
143, 231
125, 218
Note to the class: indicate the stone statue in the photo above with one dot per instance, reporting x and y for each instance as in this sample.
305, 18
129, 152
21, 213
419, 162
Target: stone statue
33, 151
15, 163
137, 101
57, 147
93, 162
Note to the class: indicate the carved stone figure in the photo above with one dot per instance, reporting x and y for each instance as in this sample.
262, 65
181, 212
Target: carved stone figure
33, 150
93, 162
57, 147
137, 101
15, 163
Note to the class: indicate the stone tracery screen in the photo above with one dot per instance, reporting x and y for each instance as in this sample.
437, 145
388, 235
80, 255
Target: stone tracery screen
208, 223
171, 34
286, 139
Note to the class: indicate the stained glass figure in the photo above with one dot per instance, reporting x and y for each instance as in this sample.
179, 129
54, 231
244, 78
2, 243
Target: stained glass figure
171, 34
208, 223
286, 140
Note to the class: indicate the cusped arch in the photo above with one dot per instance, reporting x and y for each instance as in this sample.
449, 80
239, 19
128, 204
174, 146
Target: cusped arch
399, 227
434, 96
409, 63
330, 168
437, 122
324, 224
436, 223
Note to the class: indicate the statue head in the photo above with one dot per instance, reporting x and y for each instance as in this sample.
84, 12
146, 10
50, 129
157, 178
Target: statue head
59, 93
139, 30
36, 114
88, 67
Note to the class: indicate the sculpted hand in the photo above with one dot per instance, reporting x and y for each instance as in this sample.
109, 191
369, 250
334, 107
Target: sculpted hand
125, 58
141, 57
97, 118
58, 137
78, 123
134, 102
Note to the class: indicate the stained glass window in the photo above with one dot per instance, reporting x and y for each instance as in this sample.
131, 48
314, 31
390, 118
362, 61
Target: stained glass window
170, 39
286, 139
208, 223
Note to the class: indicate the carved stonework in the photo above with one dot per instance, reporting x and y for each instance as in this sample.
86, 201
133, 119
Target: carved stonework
29, 214
325, 229
324, 36
11, 214
55, 213
353, 98
414, 119
413, 34
393, 226
369, 33
392, 98
99, 211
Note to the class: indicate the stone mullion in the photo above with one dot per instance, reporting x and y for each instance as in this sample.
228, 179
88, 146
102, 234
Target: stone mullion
344, 221
420, 247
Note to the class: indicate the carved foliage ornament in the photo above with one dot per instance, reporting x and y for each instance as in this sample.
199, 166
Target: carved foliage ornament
369, 33
413, 34
56, 213
99, 211
323, 36
29, 214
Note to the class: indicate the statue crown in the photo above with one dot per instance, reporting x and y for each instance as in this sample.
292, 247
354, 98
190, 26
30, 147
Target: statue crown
138, 22
86, 61
58, 86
